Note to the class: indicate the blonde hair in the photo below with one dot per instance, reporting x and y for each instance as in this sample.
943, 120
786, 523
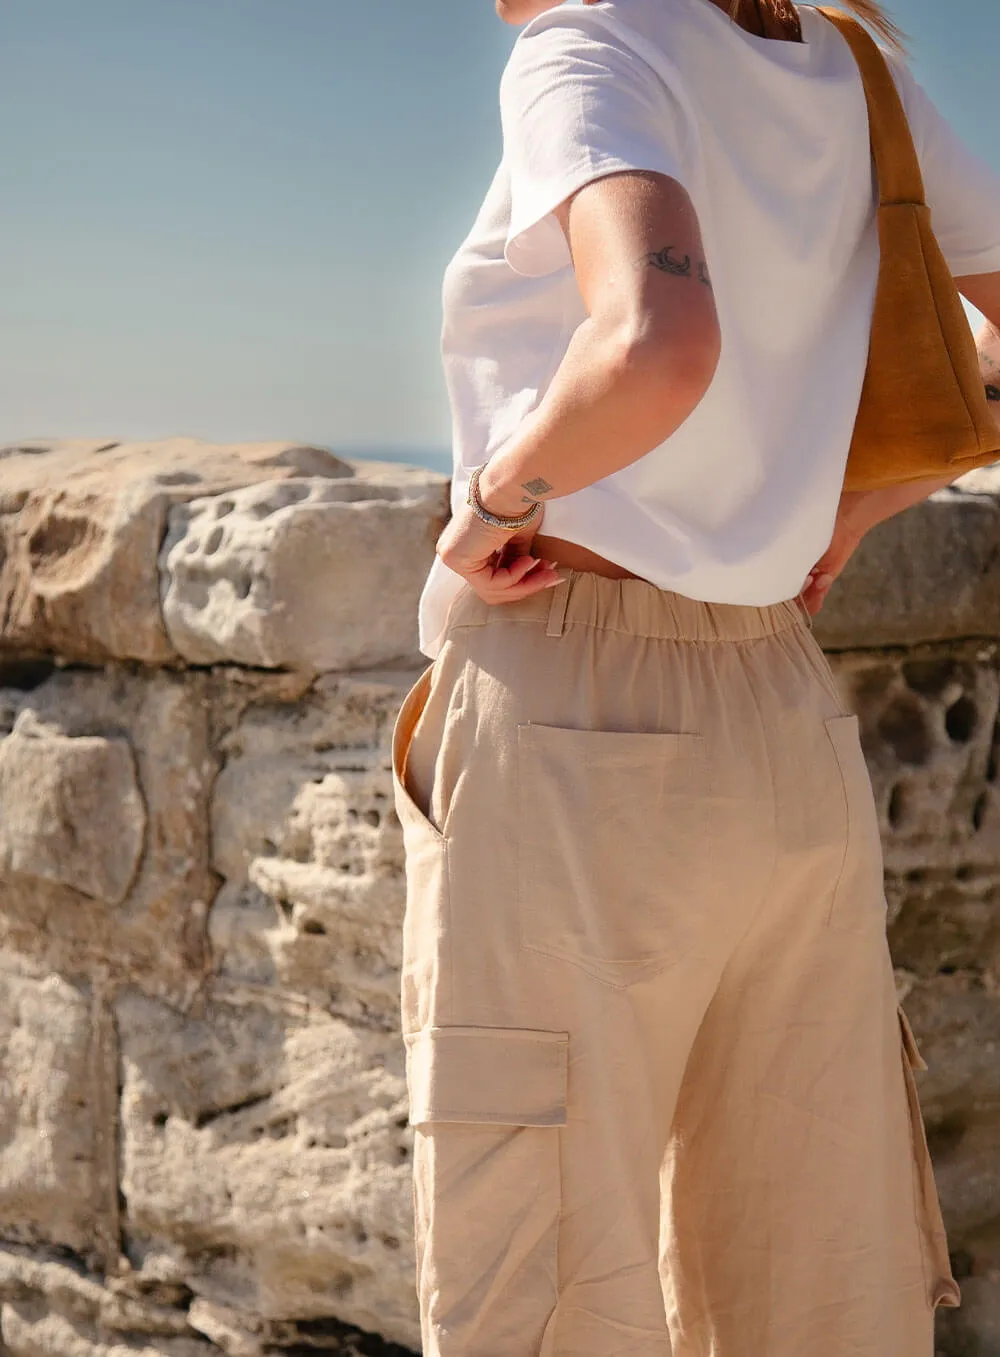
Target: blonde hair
869, 12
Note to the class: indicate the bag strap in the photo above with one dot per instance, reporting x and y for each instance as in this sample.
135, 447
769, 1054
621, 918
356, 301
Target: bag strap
899, 176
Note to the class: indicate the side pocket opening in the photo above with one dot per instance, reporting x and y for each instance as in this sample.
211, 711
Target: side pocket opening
413, 819
942, 1289
858, 900
819, 666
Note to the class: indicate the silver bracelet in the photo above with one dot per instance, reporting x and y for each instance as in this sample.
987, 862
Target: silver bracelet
495, 520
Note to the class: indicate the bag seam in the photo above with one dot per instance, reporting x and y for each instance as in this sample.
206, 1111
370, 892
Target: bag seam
937, 312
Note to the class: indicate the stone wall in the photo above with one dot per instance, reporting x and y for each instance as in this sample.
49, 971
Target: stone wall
203, 1140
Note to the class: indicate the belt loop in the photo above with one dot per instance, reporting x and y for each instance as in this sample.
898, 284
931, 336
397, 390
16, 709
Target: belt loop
557, 607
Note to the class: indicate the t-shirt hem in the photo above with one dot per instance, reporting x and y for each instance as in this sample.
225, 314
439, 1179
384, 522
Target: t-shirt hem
982, 261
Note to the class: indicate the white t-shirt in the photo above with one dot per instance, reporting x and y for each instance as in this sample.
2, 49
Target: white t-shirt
770, 139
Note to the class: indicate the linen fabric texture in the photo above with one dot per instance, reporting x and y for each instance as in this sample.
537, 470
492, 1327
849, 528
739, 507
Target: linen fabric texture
663, 1094
771, 141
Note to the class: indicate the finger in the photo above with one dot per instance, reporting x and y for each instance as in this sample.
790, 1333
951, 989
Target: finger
503, 581
520, 591
813, 597
492, 591
515, 571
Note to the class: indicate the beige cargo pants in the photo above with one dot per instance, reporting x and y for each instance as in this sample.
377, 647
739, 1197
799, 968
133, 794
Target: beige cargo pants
663, 1096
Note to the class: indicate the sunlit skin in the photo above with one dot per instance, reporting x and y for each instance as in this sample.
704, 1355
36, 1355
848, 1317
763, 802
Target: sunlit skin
602, 383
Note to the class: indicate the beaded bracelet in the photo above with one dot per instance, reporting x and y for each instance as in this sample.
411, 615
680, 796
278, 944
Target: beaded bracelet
496, 520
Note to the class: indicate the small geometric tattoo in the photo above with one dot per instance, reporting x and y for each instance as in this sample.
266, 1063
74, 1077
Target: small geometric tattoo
992, 392
538, 486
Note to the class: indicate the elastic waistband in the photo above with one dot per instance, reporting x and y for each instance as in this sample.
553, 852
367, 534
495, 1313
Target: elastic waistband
634, 607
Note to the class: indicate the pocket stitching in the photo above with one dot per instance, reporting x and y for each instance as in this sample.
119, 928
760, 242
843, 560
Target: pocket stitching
817, 663
690, 746
549, 1076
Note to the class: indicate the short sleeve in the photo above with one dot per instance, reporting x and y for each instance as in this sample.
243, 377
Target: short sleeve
963, 191
577, 104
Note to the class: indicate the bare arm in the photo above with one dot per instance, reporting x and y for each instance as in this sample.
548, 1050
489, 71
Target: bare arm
988, 343
642, 360
983, 291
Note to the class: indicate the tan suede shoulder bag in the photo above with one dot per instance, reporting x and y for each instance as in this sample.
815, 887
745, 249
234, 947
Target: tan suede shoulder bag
923, 412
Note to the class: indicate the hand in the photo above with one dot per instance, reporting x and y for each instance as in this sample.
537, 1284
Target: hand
496, 563
848, 532
520, 11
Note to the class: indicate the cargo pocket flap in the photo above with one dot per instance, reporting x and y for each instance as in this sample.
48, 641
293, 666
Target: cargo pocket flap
501, 1075
913, 1056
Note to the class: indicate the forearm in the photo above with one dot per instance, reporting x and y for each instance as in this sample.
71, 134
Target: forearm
613, 400
862, 510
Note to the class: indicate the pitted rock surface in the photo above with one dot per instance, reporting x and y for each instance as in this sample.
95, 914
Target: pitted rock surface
73, 812
203, 1126
294, 575
82, 523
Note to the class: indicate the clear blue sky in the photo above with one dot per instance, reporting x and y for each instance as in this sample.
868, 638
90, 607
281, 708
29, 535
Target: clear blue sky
229, 218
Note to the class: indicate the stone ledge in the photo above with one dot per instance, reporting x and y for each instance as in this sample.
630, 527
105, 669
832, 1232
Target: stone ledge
322, 563
930, 574
285, 556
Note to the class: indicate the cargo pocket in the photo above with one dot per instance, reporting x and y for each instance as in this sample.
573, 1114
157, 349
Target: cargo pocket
502, 1075
858, 899
487, 1104
942, 1289
616, 868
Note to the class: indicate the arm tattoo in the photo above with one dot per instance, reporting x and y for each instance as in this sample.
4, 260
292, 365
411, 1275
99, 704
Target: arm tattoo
992, 392
536, 488
678, 268
660, 259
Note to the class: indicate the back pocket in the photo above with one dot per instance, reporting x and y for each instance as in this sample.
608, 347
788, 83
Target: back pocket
615, 860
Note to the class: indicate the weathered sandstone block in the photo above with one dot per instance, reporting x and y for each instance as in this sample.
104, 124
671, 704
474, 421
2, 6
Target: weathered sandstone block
931, 574
295, 575
203, 1141
82, 523
131, 751
72, 812
269, 1150
931, 729
305, 835
48, 1117
33, 1329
